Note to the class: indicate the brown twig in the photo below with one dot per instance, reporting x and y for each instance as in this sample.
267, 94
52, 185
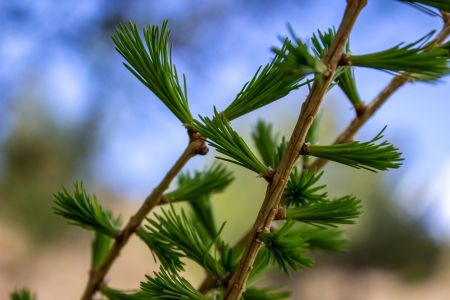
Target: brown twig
210, 282
196, 146
443, 34
275, 189
370, 109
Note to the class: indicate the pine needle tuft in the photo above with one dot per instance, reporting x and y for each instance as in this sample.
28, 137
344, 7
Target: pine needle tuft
222, 136
83, 210
366, 155
169, 286
151, 63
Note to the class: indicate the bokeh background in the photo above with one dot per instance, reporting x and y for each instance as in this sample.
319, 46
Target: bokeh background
70, 110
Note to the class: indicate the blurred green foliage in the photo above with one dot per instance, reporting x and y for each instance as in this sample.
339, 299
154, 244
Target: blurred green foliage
39, 156
392, 241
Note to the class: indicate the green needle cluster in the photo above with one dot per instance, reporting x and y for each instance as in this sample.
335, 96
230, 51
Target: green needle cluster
100, 248
420, 65
267, 85
266, 142
446, 47
297, 60
346, 81
369, 155
203, 213
286, 248
321, 42
302, 188
344, 77
164, 285
181, 236
83, 210
197, 188
228, 142
320, 238
151, 63
329, 213
168, 255
194, 186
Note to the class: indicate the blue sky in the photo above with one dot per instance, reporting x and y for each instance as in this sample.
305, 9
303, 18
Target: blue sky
56, 53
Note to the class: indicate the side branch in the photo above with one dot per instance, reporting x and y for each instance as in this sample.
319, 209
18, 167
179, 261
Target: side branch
443, 34
196, 146
369, 110
274, 193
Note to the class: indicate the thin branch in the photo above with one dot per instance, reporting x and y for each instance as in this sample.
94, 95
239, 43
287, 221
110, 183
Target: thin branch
196, 146
210, 282
443, 34
275, 189
369, 110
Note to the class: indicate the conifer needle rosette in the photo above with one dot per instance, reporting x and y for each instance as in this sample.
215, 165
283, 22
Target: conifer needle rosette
194, 186
344, 76
267, 85
287, 245
227, 141
286, 248
298, 60
165, 285
327, 213
366, 155
325, 239
83, 210
151, 63
178, 236
302, 189
411, 58
266, 142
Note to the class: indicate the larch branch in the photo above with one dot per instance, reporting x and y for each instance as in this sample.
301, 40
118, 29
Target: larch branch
276, 188
96, 277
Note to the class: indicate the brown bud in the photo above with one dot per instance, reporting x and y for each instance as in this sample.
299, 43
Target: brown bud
202, 149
